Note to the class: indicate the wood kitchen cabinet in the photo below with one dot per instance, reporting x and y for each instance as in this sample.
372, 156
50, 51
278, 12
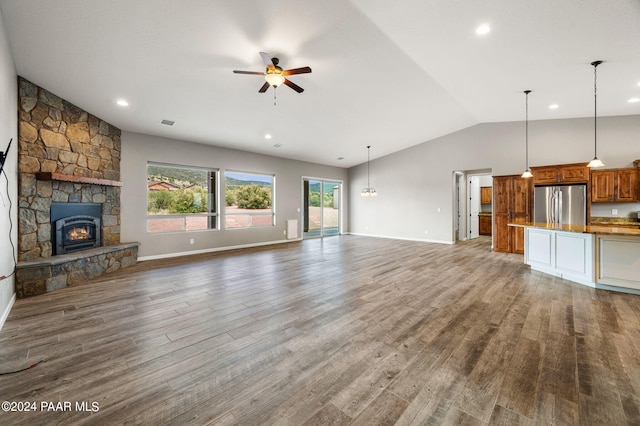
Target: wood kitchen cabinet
614, 186
485, 195
511, 204
484, 224
565, 173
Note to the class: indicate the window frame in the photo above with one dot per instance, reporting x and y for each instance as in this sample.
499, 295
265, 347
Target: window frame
272, 213
213, 190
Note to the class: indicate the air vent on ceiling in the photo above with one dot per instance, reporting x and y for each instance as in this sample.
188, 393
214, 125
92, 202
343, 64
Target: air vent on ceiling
168, 122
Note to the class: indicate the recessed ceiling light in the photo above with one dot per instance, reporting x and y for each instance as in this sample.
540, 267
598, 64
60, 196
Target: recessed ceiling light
122, 102
483, 29
268, 136
634, 100
277, 145
340, 158
553, 106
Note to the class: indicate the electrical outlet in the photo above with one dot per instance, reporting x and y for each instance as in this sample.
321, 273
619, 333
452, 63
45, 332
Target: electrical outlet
614, 211
192, 241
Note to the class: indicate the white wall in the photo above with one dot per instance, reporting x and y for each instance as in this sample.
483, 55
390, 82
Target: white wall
486, 180
8, 130
414, 183
138, 149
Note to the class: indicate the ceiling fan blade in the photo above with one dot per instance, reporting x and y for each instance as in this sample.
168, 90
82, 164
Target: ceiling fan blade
266, 58
303, 70
248, 72
293, 86
264, 87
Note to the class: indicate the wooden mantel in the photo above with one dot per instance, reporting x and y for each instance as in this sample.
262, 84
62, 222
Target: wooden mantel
76, 179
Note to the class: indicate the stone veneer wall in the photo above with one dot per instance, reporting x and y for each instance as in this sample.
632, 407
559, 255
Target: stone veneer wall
58, 137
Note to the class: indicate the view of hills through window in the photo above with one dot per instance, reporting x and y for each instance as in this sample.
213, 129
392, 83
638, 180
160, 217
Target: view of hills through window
180, 198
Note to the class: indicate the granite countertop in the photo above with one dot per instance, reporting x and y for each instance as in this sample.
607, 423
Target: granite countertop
613, 221
588, 229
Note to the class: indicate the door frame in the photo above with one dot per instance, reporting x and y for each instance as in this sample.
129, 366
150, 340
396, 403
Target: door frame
304, 208
461, 201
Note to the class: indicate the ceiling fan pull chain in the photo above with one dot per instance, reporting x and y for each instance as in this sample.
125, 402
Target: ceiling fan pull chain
275, 89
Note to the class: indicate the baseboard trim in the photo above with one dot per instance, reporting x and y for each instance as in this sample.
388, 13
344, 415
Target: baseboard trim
421, 240
215, 249
5, 314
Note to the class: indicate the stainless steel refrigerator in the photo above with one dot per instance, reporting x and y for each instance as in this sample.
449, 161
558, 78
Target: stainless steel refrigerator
560, 204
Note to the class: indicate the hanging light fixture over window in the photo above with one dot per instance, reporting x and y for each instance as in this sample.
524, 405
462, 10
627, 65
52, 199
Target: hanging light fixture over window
369, 191
527, 173
595, 162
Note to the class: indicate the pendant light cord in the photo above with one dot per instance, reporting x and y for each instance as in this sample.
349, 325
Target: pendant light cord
526, 127
368, 161
595, 108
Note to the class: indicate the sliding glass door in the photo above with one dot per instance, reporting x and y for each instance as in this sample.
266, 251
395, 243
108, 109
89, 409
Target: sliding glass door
321, 208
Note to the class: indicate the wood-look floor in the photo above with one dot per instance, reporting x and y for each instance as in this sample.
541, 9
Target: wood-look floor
344, 330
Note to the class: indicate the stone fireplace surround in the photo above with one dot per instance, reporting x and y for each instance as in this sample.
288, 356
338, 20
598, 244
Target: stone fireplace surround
65, 155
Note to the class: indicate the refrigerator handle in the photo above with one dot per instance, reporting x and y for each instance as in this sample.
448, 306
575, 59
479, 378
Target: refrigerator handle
559, 208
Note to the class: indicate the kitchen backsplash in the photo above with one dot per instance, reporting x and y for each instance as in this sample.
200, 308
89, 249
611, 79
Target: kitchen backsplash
629, 210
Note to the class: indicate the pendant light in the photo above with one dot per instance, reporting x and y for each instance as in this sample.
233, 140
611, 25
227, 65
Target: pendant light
527, 173
369, 191
595, 162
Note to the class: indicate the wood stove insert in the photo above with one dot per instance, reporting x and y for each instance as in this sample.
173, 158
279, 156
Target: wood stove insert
76, 225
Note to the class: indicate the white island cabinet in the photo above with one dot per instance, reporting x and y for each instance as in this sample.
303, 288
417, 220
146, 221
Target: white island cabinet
601, 257
618, 260
567, 255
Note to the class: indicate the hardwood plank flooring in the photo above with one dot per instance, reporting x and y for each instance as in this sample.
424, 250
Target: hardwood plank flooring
345, 330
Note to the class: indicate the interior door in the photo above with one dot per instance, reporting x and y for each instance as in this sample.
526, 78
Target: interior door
474, 207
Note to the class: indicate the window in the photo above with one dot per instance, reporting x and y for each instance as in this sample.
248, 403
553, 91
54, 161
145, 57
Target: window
249, 200
181, 198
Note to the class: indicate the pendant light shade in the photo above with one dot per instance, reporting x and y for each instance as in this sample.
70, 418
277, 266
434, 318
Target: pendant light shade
596, 161
369, 191
527, 173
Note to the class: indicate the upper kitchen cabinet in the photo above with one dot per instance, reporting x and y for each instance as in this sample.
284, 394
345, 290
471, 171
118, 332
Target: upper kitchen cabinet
566, 173
485, 195
614, 186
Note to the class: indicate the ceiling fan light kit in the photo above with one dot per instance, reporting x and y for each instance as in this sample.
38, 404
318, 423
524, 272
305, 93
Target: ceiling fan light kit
274, 79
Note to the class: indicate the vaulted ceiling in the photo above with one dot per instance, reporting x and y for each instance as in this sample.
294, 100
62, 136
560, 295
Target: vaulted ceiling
386, 74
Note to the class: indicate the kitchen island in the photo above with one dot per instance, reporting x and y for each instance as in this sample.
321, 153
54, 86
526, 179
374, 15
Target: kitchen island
605, 257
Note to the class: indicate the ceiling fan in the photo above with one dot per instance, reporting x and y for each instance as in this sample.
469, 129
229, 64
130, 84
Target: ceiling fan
275, 75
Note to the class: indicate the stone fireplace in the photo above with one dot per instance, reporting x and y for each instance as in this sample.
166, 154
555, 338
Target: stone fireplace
67, 158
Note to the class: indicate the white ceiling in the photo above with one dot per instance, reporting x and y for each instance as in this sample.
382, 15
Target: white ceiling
386, 74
